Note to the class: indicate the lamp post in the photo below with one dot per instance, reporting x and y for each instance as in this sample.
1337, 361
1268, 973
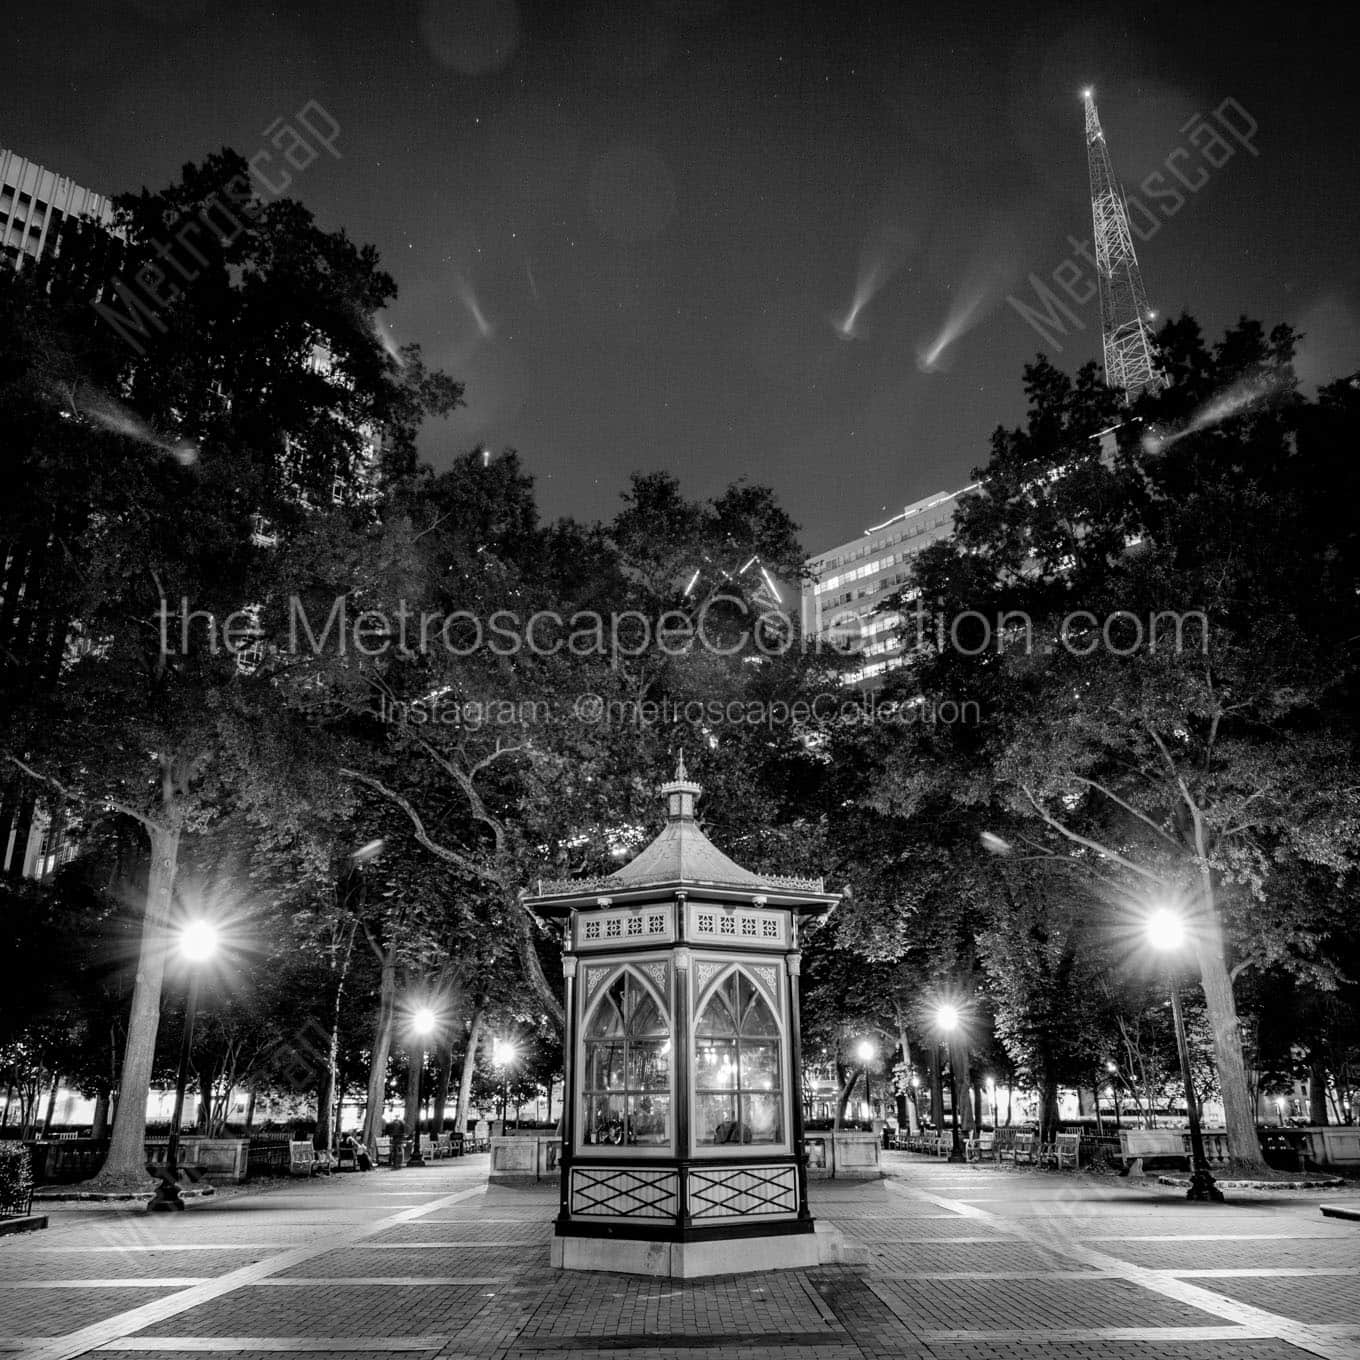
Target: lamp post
197, 944
503, 1054
1166, 931
865, 1053
991, 1100
947, 1020
422, 1024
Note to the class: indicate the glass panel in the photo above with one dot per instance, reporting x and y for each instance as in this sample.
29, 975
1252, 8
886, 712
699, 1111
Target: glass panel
649, 1065
649, 1120
719, 1015
647, 1017
759, 1065
762, 1117
715, 1064
756, 1015
607, 1018
715, 1117
604, 1066
605, 1119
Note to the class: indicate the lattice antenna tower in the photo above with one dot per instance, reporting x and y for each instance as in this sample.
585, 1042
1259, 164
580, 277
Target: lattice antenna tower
1125, 318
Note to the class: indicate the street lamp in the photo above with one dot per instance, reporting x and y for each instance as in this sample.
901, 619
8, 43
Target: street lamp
1166, 932
865, 1053
502, 1055
422, 1025
197, 944
947, 1021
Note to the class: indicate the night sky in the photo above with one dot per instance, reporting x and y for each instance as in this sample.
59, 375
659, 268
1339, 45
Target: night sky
638, 230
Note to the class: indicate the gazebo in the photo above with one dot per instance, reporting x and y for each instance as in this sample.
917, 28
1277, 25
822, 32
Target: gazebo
683, 1127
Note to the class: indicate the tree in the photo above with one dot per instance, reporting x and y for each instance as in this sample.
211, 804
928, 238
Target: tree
1211, 767
261, 389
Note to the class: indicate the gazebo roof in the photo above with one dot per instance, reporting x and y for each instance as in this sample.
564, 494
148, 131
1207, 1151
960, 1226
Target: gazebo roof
680, 855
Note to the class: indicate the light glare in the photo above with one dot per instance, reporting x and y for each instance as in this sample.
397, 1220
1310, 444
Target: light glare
198, 941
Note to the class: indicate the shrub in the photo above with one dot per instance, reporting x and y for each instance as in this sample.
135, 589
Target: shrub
16, 1180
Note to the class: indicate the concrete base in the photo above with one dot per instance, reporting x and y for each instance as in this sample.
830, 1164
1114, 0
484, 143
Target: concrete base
23, 1223
1349, 1211
695, 1260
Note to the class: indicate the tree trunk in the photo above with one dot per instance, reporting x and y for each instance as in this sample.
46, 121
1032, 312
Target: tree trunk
936, 1088
125, 1166
250, 1110
415, 1061
1317, 1093
327, 1135
465, 1077
442, 1076
100, 1127
1244, 1146
913, 1114
377, 1063
51, 1105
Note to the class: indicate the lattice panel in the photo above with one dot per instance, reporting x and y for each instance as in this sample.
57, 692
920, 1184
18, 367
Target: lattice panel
743, 1192
612, 1192
598, 928
738, 925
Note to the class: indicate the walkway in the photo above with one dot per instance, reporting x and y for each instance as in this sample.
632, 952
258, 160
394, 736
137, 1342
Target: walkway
963, 1263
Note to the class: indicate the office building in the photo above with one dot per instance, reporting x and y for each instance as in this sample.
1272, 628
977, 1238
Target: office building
847, 599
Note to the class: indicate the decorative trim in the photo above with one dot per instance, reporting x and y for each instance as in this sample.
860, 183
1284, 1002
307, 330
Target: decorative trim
619, 1192
569, 963
768, 977
682, 959
794, 963
659, 974
595, 976
705, 971
742, 1192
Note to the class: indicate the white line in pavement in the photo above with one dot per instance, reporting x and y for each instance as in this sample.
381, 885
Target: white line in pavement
312, 1281
1242, 1315
359, 1344
1047, 1336
140, 1282
99, 1334
152, 1246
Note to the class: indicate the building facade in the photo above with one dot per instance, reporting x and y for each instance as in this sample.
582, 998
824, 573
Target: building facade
846, 600
35, 206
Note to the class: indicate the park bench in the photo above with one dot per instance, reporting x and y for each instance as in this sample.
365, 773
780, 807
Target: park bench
384, 1150
1025, 1149
481, 1135
975, 1149
426, 1141
347, 1157
443, 1146
303, 1161
1160, 1145
1065, 1151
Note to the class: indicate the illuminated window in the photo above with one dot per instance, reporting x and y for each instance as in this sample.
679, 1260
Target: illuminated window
628, 1067
737, 1069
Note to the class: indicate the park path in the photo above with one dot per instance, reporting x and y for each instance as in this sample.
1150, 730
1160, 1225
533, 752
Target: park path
958, 1263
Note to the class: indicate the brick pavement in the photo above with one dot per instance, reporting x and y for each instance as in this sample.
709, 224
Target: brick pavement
963, 1263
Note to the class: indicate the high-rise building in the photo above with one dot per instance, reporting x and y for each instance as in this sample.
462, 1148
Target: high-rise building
36, 204
846, 601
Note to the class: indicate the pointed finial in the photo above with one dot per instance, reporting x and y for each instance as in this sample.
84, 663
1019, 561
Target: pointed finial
681, 774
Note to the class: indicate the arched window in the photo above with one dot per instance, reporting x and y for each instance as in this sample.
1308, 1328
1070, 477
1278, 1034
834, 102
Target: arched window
737, 1071
627, 1067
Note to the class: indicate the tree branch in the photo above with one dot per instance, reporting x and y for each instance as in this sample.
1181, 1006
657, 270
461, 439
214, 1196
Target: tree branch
111, 804
455, 857
1129, 808
1104, 850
